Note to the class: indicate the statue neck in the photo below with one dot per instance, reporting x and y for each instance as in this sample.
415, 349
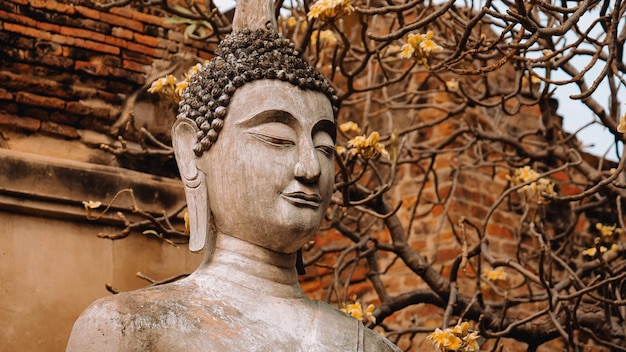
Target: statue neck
252, 267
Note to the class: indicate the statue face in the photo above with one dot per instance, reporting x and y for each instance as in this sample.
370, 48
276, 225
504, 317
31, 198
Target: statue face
270, 174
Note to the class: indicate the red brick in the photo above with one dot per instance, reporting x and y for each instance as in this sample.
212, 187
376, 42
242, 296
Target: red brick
53, 5
21, 2
13, 17
25, 123
49, 27
121, 43
62, 118
38, 100
499, 231
5, 95
122, 33
31, 32
167, 45
87, 12
93, 68
142, 49
146, 40
146, 18
122, 11
139, 57
128, 75
175, 36
79, 108
82, 33
205, 55
63, 39
56, 61
59, 130
121, 21
133, 66
95, 46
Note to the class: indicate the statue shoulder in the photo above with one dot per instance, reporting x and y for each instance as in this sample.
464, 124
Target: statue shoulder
98, 328
129, 321
375, 342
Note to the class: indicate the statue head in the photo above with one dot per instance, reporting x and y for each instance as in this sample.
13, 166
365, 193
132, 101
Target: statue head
254, 142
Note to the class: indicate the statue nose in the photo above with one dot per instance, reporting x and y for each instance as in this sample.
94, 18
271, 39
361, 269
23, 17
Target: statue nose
307, 168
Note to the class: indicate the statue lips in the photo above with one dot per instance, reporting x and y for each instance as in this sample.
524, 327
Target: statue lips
302, 199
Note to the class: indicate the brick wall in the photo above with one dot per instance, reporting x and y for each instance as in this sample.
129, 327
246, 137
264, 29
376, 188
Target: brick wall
67, 68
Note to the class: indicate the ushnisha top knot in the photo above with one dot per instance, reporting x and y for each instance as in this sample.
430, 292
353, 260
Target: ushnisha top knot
243, 57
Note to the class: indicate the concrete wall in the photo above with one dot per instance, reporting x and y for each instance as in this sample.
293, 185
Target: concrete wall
52, 264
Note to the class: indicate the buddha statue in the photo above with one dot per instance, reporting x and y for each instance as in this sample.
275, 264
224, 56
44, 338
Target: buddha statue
254, 141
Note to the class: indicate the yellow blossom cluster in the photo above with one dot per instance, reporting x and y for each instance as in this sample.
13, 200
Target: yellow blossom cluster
458, 338
607, 232
497, 274
328, 10
358, 313
591, 252
170, 88
350, 127
607, 235
419, 47
537, 188
326, 38
367, 147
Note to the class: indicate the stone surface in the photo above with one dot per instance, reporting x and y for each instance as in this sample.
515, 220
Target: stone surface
254, 198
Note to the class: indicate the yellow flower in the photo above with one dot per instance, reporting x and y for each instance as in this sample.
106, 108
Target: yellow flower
369, 314
419, 47
157, 85
621, 128
340, 150
350, 127
591, 252
180, 87
452, 343
407, 51
90, 204
461, 329
354, 310
438, 337
326, 10
187, 226
471, 342
192, 71
537, 188
428, 45
534, 81
291, 22
368, 147
327, 38
414, 40
452, 85
607, 231
496, 274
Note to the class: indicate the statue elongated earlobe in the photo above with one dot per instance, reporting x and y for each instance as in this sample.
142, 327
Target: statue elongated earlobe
184, 134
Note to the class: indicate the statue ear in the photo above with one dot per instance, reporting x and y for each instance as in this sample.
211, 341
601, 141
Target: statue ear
183, 140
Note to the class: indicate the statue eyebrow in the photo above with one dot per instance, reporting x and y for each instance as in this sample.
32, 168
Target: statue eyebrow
327, 126
269, 116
